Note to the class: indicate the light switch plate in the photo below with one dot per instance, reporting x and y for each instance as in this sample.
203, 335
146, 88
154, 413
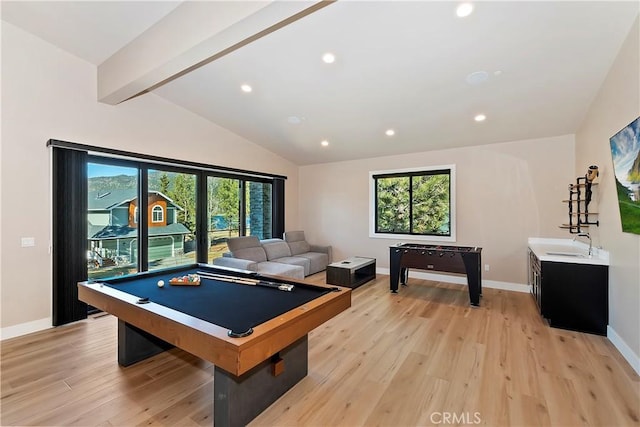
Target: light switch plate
28, 241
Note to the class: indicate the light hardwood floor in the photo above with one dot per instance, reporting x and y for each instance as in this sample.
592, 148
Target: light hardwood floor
420, 357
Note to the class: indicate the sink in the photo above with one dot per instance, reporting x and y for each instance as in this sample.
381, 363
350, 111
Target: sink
567, 251
569, 254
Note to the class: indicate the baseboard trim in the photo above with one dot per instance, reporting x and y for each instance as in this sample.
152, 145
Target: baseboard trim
624, 349
25, 328
462, 280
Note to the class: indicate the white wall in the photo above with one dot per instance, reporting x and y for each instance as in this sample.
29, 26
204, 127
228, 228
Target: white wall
616, 105
48, 93
506, 193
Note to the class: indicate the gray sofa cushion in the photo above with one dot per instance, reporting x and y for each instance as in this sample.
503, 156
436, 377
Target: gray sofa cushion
239, 263
317, 261
319, 256
305, 263
299, 247
275, 248
280, 269
247, 247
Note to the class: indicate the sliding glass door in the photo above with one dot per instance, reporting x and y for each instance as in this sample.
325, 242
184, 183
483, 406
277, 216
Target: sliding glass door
112, 220
223, 213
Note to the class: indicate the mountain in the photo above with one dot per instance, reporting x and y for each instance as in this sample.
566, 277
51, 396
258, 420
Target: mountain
634, 172
125, 182
108, 183
623, 192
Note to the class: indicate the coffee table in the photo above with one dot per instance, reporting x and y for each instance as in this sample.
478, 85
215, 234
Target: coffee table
351, 272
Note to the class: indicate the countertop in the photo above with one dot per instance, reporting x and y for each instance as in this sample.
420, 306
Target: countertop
567, 250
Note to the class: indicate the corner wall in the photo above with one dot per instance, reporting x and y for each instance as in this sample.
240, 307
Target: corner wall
48, 93
506, 193
616, 105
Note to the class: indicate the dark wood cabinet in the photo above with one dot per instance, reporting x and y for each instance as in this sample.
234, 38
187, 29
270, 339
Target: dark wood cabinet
571, 295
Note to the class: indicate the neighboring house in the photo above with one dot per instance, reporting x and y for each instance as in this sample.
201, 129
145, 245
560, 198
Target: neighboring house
113, 222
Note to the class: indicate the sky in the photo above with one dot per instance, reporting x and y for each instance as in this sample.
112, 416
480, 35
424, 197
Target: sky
95, 169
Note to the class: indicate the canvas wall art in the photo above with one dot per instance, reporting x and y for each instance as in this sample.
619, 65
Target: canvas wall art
625, 151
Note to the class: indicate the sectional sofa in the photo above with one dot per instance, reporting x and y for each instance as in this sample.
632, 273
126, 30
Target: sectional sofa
291, 256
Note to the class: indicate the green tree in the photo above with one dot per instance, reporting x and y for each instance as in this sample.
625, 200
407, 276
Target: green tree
393, 205
417, 204
164, 183
430, 204
229, 202
184, 195
224, 200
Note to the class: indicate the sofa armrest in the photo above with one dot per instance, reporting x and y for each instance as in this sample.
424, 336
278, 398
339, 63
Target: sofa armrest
239, 263
323, 249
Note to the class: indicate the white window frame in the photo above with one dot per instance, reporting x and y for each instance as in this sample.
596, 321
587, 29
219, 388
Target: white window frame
153, 212
398, 236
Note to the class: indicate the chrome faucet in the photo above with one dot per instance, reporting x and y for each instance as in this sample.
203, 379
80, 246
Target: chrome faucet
590, 242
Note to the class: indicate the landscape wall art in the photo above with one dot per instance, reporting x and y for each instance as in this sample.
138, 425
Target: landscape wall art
625, 151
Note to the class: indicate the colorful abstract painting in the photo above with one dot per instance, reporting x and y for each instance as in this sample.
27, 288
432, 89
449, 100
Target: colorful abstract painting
625, 151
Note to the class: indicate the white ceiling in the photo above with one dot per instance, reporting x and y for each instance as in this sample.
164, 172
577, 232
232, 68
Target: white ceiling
400, 65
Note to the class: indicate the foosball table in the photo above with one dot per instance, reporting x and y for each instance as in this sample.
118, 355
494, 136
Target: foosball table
453, 259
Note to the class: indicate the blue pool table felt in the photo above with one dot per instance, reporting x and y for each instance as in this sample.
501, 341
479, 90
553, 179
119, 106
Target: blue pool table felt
236, 307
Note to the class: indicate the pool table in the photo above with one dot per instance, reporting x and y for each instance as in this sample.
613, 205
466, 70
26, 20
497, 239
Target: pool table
253, 332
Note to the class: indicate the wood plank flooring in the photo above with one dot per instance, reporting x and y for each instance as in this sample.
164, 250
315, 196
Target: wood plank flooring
420, 357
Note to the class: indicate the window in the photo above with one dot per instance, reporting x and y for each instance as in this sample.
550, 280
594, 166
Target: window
171, 238
112, 220
237, 207
157, 214
223, 213
413, 203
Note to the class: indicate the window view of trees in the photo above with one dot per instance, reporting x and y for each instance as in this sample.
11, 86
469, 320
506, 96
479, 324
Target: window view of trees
393, 205
225, 200
430, 204
413, 203
223, 211
172, 219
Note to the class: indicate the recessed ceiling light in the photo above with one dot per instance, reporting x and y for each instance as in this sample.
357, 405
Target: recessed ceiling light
464, 9
294, 120
246, 88
324, 143
329, 58
480, 118
390, 132
477, 77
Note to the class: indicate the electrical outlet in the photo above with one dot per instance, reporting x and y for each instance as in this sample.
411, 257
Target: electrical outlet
486, 267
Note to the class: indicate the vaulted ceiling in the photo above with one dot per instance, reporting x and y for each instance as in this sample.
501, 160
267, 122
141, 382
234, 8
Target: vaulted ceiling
414, 67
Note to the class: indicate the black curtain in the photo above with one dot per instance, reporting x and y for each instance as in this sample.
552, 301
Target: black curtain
278, 208
69, 233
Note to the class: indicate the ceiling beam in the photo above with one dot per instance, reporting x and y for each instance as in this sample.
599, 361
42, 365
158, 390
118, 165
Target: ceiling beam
192, 35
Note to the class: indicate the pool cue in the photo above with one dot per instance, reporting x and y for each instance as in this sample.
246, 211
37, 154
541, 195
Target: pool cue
246, 281
224, 278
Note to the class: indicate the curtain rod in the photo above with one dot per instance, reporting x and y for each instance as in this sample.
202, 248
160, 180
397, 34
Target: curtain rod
56, 143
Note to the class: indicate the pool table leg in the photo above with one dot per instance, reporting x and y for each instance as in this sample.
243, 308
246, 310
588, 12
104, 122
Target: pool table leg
238, 400
135, 345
